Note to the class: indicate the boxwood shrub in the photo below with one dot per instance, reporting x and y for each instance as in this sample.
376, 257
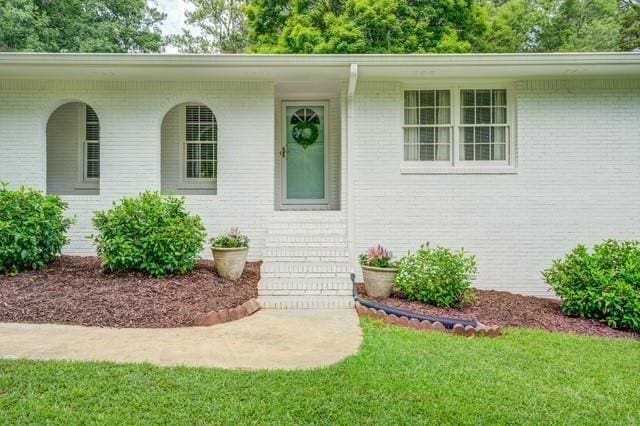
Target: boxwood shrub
438, 276
601, 284
152, 233
33, 228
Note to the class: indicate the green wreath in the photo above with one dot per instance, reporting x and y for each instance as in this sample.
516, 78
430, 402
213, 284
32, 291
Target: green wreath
305, 133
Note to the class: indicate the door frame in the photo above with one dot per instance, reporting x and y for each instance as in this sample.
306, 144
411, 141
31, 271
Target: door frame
303, 203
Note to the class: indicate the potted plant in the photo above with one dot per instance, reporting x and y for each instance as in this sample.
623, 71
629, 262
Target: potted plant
378, 271
230, 253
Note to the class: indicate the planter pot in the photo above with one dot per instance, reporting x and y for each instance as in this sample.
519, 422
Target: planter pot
230, 261
378, 281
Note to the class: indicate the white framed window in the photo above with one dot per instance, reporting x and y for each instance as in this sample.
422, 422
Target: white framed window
199, 147
459, 129
88, 148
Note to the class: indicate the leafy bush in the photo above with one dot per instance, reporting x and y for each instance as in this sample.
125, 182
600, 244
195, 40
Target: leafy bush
439, 276
232, 239
377, 257
32, 228
603, 284
152, 233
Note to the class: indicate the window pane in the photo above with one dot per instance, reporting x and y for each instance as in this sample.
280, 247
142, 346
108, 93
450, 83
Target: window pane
427, 116
193, 151
482, 135
482, 152
442, 152
411, 135
193, 113
466, 152
411, 98
427, 152
427, 135
499, 151
92, 132
206, 115
468, 115
411, 152
443, 98
499, 97
499, 115
206, 132
411, 144
192, 169
427, 98
483, 115
498, 134
468, 97
483, 97
93, 160
206, 169
411, 116
467, 134
192, 132
442, 135
206, 151
443, 116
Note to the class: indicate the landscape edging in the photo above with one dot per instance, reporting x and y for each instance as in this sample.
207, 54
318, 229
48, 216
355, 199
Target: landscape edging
425, 325
206, 319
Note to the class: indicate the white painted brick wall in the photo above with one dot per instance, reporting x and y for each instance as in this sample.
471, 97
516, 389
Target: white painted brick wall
578, 181
130, 115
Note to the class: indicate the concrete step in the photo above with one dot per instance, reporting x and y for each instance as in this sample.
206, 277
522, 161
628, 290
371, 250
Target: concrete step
306, 266
305, 252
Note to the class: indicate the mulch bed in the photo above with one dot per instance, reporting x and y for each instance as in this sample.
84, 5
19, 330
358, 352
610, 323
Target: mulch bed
73, 290
507, 310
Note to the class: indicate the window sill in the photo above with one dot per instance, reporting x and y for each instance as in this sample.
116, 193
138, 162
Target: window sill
87, 185
462, 170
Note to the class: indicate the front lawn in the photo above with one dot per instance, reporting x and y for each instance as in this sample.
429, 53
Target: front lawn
400, 376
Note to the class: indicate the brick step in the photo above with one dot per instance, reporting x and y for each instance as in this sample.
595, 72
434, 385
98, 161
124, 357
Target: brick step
327, 275
304, 252
318, 239
306, 302
305, 284
306, 266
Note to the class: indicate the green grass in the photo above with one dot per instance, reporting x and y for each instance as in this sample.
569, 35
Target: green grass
400, 377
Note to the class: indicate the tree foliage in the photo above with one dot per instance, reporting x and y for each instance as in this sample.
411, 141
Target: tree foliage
220, 26
80, 26
364, 26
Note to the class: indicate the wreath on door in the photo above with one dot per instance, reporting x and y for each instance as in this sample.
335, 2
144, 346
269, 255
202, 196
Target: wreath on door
305, 127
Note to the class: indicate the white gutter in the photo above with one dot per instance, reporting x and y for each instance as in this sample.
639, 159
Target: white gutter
435, 60
351, 222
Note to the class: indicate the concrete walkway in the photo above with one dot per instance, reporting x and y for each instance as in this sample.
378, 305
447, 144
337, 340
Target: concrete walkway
269, 339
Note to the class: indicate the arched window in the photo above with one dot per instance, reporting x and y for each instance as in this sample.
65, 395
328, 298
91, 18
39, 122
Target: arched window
200, 143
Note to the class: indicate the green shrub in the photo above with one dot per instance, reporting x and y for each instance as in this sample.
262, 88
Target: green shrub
32, 228
439, 276
152, 233
603, 284
231, 239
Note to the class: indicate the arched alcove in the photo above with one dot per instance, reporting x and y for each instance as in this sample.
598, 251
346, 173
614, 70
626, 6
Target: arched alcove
189, 150
73, 150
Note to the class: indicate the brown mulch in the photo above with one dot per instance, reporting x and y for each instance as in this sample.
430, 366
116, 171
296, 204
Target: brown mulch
507, 310
73, 290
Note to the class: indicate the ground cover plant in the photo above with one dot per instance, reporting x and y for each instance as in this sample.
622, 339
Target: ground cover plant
400, 376
438, 276
231, 239
33, 228
152, 233
602, 284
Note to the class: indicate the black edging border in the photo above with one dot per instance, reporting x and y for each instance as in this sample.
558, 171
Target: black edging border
448, 323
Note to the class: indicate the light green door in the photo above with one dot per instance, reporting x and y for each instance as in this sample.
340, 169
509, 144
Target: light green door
305, 154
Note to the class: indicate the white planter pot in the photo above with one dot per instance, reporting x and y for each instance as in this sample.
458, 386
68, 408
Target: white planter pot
230, 262
378, 281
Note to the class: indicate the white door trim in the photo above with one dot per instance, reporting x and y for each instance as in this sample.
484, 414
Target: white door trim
300, 203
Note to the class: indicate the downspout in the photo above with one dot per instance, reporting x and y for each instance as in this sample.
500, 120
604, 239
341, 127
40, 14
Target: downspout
351, 91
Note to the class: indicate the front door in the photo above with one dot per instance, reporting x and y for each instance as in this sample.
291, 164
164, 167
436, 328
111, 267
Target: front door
304, 153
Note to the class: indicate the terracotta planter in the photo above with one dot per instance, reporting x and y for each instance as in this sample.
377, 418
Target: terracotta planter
230, 261
378, 281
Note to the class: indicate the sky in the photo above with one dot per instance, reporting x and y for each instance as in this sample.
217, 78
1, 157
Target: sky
175, 15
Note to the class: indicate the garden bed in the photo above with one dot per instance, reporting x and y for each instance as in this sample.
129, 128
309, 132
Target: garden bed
503, 309
73, 290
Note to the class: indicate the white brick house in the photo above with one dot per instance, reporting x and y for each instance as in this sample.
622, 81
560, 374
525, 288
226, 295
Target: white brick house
516, 158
